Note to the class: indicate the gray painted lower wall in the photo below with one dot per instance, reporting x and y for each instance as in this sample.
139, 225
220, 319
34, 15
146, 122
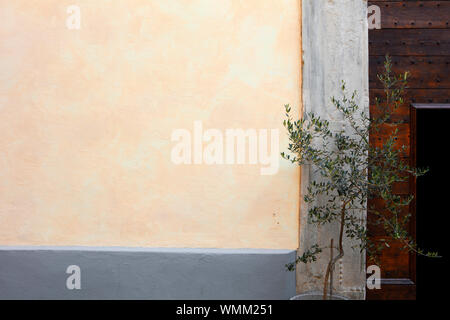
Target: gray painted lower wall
141, 273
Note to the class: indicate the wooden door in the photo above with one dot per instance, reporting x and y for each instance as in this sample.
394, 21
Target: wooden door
416, 34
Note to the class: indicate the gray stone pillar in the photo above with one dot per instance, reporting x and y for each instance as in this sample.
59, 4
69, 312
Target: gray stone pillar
335, 48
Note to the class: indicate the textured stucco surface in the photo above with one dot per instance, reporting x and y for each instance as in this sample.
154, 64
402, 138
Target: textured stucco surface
335, 48
87, 117
140, 273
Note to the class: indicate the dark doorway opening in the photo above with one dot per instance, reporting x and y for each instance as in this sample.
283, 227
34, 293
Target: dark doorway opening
431, 145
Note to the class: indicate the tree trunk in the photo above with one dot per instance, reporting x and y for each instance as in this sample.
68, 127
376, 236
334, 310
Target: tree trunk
339, 256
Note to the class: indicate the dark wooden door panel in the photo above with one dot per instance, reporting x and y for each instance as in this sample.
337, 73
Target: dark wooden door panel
414, 14
416, 34
410, 96
398, 291
410, 42
425, 72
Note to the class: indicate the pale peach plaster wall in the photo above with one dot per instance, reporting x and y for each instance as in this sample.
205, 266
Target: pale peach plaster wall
87, 115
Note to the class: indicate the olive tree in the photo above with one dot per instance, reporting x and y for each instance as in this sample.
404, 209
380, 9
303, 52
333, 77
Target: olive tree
351, 170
